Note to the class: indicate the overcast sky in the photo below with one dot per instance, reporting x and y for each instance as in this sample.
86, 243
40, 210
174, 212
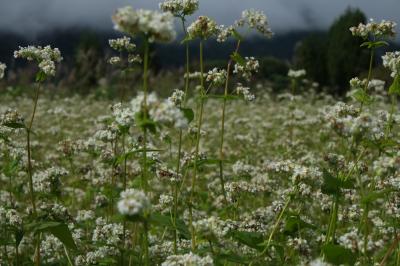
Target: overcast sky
33, 16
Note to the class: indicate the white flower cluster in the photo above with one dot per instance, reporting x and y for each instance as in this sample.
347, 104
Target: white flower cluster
49, 180
203, 28
383, 29
391, 60
167, 112
177, 97
247, 68
245, 91
46, 57
95, 257
2, 69
295, 74
10, 217
216, 77
84, 215
180, 8
255, 19
11, 116
133, 202
122, 44
188, 259
115, 60
155, 25
356, 83
123, 116
210, 227
225, 33
108, 233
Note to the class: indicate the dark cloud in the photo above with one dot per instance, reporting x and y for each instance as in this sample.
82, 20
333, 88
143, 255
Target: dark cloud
33, 16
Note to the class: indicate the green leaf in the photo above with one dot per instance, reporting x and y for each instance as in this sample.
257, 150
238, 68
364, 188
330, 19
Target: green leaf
145, 122
362, 96
333, 185
374, 44
188, 113
237, 35
158, 219
238, 59
232, 257
374, 195
58, 229
294, 223
19, 234
338, 255
15, 125
251, 239
40, 76
186, 39
395, 87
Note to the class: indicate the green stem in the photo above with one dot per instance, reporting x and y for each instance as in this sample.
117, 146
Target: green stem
371, 62
366, 231
178, 166
221, 147
196, 155
277, 222
30, 170
146, 243
330, 236
29, 149
145, 110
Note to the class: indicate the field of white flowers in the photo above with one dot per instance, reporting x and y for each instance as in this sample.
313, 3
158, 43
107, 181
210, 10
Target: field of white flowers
217, 174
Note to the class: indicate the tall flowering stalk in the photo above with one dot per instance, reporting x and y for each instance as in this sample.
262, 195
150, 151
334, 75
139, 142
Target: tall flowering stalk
203, 28
253, 20
374, 35
46, 58
180, 9
153, 26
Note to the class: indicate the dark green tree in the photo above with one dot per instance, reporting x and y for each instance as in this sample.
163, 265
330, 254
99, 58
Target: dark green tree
345, 58
311, 54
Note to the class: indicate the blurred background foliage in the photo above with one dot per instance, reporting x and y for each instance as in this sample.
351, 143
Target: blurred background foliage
330, 58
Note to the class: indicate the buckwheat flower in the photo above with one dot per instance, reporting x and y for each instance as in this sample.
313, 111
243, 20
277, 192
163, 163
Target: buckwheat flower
11, 117
114, 60
85, 215
391, 60
166, 112
49, 180
319, 262
180, 8
188, 259
245, 91
255, 19
123, 116
122, 44
356, 83
155, 25
381, 30
225, 33
2, 69
177, 97
203, 28
134, 202
134, 58
46, 57
248, 68
295, 74
216, 77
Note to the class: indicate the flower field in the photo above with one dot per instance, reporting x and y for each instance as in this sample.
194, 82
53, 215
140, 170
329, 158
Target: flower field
224, 171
